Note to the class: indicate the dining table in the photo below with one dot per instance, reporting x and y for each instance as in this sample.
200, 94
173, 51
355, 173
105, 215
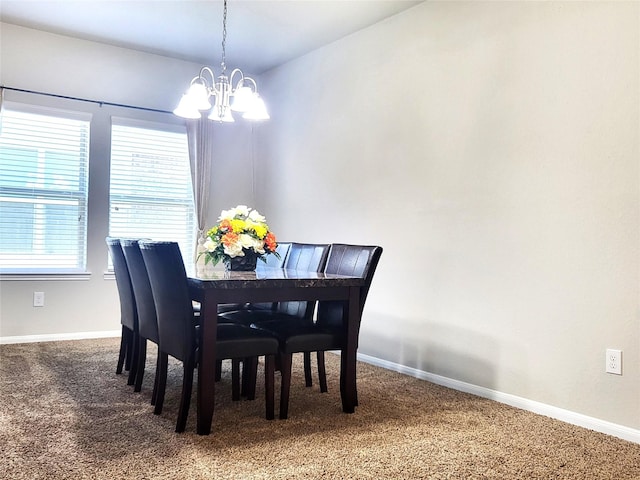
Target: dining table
211, 288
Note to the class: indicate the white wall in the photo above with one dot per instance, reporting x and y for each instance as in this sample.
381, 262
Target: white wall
492, 149
39, 61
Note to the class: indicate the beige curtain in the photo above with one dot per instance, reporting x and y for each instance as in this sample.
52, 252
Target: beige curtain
200, 138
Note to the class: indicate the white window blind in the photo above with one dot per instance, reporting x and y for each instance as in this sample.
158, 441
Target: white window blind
150, 188
44, 161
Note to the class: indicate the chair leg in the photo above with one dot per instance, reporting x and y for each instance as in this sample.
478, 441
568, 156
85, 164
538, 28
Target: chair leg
128, 355
249, 376
154, 394
322, 372
134, 359
185, 399
285, 385
235, 379
123, 349
142, 358
163, 363
218, 370
307, 369
244, 380
269, 387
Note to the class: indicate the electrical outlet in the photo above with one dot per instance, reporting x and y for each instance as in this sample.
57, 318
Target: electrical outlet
38, 299
613, 361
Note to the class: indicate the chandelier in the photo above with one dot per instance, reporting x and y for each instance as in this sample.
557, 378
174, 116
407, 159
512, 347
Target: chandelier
205, 85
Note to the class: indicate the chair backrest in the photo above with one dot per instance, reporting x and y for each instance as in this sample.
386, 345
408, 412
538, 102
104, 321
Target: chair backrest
353, 260
147, 319
174, 310
128, 311
275, 262
310, 258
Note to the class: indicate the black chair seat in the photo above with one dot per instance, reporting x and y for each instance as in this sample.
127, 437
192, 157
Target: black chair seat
296, 336
250, 316
230, 307
237, 341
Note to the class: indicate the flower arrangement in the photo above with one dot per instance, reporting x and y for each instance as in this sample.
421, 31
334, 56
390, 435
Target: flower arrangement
240, 232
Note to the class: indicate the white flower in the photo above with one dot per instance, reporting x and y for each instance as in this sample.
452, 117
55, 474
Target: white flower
259, 247
234, 250
226, 215
256, 217
246, 240
209, 245
241, 210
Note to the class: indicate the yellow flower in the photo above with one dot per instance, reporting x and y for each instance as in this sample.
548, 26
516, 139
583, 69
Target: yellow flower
237, 225
261, 230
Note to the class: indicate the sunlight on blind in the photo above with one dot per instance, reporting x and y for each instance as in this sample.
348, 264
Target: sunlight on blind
43, 191
151, 193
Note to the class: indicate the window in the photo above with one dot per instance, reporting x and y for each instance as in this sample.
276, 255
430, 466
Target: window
44, 160
150, 189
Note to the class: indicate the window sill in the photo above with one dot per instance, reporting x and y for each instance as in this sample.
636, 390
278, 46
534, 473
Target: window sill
44, 276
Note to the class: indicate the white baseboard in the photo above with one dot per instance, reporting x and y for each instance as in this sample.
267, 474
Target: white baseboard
59, 336
620, 431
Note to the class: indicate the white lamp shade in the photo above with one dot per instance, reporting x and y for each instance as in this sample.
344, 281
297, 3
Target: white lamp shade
199, 96
258, 110
185, 109
242, 99
226, 116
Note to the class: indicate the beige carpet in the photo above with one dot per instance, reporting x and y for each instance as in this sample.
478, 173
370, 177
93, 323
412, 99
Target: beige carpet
64, 414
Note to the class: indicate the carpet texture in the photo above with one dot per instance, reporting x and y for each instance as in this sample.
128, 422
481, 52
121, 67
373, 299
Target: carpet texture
65, 414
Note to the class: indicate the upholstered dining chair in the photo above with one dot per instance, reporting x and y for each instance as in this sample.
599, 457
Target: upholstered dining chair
301, 256
128, 355
271, 261
327, 332
179, 334
147, 320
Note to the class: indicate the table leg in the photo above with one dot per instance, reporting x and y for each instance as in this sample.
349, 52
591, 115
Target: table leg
348, 358
207, 364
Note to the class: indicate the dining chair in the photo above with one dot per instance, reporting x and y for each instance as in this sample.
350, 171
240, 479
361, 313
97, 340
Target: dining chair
179, 333
128, 355
301, 256
271, 261
328, 330
147, 319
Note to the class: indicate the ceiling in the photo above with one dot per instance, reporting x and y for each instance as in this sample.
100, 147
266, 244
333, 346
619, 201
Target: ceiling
261, 34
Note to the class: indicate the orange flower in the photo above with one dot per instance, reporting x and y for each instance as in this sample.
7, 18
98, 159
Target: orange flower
270, 242
229, 239
225, 226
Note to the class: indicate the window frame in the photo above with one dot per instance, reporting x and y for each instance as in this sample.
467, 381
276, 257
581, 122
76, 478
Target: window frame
188, 245
56, 196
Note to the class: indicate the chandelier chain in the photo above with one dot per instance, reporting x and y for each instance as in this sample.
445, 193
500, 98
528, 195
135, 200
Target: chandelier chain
224, 38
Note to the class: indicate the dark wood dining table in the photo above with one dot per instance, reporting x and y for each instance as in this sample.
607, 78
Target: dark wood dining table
265, 284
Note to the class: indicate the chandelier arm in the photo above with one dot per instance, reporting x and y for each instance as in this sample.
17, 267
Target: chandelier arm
240, 80
209, 84
251, 80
